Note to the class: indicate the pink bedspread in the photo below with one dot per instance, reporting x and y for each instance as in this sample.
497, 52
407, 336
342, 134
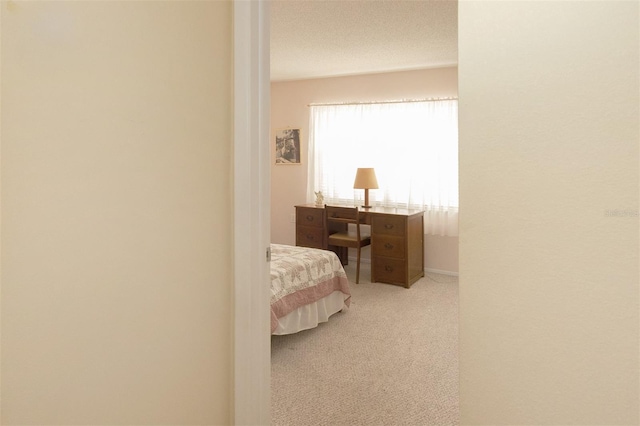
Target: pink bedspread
300, 276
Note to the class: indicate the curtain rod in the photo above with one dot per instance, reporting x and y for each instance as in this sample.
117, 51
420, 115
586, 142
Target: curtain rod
386, 102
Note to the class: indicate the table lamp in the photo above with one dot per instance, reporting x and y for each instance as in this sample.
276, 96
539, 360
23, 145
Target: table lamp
366, 179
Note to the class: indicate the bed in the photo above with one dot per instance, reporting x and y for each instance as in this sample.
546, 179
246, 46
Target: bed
308, 285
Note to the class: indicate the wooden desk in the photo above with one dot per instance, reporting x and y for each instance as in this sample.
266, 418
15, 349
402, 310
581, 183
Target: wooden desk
397, 240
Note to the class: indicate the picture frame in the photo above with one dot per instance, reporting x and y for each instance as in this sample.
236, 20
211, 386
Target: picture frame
287, 146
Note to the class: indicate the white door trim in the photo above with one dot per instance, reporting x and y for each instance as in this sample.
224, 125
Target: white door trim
252, 342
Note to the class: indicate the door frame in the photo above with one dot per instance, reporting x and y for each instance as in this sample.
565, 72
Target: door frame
251, 382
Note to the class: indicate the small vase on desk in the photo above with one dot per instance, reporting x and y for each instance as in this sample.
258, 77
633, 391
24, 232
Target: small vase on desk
319, 199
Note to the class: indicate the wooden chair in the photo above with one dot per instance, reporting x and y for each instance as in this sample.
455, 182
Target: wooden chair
337, 221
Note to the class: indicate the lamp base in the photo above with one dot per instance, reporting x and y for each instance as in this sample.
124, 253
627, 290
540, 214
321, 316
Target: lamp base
366, 199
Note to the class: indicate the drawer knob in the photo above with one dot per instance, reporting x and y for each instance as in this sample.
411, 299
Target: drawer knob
388, 226
310, 237
388, 268
388, 246
310, 218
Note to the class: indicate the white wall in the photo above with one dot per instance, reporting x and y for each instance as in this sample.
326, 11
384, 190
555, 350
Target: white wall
549, 134
116, 270
289, 108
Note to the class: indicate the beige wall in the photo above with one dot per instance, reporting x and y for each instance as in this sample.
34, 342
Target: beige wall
289, 108
116, 273
549, 134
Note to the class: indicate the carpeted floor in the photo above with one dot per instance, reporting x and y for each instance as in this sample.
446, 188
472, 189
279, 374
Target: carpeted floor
391, 359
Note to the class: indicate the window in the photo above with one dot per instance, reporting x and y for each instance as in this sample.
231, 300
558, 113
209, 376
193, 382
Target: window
413, 147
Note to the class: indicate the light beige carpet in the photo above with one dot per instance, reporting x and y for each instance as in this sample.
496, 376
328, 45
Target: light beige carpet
391, 359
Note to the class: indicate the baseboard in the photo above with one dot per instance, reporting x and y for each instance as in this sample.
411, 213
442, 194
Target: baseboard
441, 272
432, 270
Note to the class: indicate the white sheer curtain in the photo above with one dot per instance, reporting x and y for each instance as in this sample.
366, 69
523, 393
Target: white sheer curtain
413, 147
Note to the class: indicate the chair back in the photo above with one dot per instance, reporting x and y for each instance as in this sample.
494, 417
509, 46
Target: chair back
339, 218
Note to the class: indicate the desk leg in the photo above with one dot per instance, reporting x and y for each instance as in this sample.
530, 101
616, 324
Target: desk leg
342, 252
373, 268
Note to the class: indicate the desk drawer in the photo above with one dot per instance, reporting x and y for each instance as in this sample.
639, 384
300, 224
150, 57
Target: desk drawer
388, 270
309, 217
388, 225
389, 245
309, 236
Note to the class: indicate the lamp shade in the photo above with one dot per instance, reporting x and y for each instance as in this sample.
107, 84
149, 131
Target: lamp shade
365, 179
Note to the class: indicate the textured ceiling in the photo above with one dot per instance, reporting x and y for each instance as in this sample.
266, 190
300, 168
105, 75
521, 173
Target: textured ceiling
321, 38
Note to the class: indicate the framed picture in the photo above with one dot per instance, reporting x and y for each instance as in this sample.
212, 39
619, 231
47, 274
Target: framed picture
288, 146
